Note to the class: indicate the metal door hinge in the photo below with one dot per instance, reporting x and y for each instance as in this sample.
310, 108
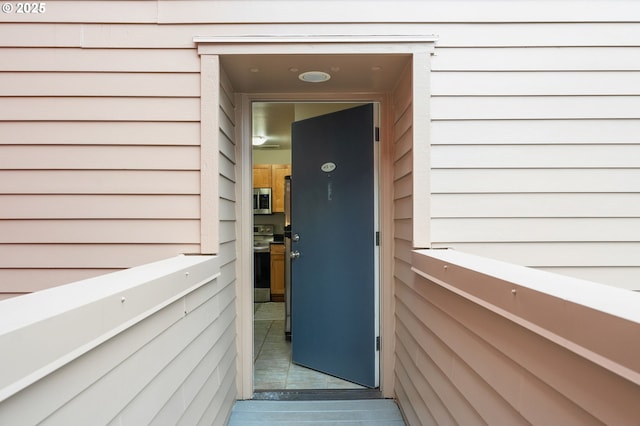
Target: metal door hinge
377, 134
378, 343
377, 238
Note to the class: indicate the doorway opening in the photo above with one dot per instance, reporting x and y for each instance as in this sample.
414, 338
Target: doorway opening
274, 366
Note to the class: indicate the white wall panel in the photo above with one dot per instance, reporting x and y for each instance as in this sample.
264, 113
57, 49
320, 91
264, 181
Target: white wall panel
92, 11
554, 156
100, 84
620, 277
537, 107
99, 181
42, 35
225, 11
538, 229
99, 206
548, 254
83, 157
83, 256
552, 83
99, 60
86, 231
584, 58
99, 133
96, 109
535, 205
537, 142
505, 131
535, 180
450, 34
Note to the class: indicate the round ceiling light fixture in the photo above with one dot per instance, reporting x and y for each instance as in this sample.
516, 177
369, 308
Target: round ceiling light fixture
314, 76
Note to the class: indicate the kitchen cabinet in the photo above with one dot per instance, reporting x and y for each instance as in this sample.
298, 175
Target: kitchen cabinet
272, 176
278, 172
262, 175
277, 272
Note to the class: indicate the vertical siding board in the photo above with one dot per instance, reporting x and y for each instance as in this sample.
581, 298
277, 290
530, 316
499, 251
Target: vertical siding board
421, 151
209, 106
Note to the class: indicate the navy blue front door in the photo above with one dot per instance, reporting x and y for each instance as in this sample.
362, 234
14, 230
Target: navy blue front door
332, 213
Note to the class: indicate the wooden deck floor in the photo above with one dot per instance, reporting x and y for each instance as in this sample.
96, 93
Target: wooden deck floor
359, 412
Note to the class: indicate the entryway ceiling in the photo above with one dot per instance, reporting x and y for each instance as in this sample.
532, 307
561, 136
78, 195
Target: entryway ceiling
279, 73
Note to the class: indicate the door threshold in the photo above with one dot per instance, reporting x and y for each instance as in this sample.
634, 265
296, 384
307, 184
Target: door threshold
316, 394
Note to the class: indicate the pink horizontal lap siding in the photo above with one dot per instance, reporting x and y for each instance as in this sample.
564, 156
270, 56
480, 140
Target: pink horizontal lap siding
406, 376
99, 160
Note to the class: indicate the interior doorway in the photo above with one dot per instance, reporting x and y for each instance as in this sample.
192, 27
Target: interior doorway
274, 366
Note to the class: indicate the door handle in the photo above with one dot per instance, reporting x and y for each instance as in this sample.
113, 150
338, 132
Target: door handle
294, 254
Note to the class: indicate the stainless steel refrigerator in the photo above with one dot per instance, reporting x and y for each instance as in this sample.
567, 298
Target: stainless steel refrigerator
287, 256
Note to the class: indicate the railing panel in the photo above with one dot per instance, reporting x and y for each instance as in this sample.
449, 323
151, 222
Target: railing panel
152, 343
515, 344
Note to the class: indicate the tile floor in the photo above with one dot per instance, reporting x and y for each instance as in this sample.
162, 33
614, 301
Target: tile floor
273, 368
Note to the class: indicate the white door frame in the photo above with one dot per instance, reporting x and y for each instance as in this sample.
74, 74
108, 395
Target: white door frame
245, 158
419, 47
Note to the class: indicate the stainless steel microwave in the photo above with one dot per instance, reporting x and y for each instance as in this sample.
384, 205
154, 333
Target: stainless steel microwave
261, 200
